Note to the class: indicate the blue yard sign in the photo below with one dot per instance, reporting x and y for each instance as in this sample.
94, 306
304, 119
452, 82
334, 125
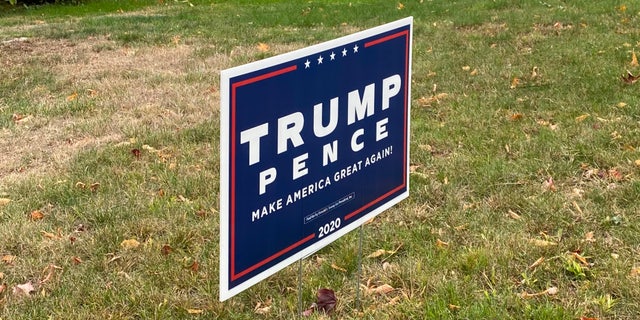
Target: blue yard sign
313, 143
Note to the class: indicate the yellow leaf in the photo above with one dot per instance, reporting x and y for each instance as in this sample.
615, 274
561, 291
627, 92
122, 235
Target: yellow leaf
474, 72
263, 47
542, 243
622, 8
336, 267
453, 307
537, 263
634, 59
4, 201
194, 311
637, 163
441, 244
378, 253
582, 117
130, 243
72, 97
400, 6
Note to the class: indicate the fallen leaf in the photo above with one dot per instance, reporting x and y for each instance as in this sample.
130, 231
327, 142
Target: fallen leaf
23, 289
166, 249
136, 153
400, 6
580, 258
635, 272
1, 275
194, 311
474, 72
76, 260
589, 237
549, 185
536, 263
534, 72
634, 59
466, 68
263, 47
630, 78
336, 267
581, 118
130, 244
441, 244
550, 291
36, 215
2, 288
513, 215
326, 300
50, 235
542, 243
195, 266
94, 186
378, 253
514, 83
453, 307
261, 309
588, 318
637, 163
309, 311
8, 259
72, 97
383, 289
516, 116
4, 201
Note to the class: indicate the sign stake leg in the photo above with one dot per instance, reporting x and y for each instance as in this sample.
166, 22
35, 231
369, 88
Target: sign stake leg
359, 275
300, 288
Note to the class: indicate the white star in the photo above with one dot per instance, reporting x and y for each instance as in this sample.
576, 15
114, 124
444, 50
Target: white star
307, 64
355, 48
332, 55
344, 52
320, 58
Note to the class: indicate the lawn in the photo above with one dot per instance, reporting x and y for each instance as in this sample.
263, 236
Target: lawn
525, 153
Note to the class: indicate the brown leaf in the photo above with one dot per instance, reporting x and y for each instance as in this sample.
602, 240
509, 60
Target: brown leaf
581, 118
309, 312
4, 201
630, 78
549, 185
549, 291
635, 272
588, 318
516, 116
166, 250
589, 237
634, 59
36, 215
94, 186
378, 253
262, 309
195, 266
50, 235
383, 289
514, 83
23, 289
453, 307
326, 300
136, 153
76, 260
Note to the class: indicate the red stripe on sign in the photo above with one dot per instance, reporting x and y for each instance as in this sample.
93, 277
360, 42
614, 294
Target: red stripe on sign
279, 253
387, 38
234, 87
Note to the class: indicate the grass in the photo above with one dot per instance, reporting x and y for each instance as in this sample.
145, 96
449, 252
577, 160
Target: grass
505, 172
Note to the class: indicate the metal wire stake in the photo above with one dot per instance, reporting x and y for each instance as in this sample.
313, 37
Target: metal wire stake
300, 288
359, 276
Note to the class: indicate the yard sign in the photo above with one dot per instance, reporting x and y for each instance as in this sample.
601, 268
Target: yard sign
312, 144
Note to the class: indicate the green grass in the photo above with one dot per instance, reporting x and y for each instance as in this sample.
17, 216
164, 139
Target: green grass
481, 152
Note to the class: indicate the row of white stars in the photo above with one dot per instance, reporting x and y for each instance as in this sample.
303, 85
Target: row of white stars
307, 64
